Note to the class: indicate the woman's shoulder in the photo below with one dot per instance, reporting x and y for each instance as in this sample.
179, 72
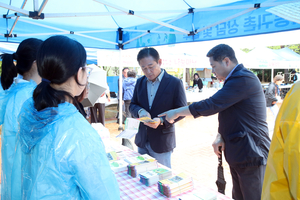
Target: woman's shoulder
78, 124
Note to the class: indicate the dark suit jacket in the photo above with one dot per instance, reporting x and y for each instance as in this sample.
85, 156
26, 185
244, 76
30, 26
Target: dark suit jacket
170, 95
241, 106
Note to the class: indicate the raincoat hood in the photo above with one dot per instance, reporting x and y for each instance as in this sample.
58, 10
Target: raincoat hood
17, 86
129, 82
128, 87
37, 124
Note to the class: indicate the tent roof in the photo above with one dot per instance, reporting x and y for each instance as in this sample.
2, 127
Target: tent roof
264, 54
10, 48
265, 58
267, 54
131, 24
288, 54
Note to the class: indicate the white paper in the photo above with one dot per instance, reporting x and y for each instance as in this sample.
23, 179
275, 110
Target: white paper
131, 128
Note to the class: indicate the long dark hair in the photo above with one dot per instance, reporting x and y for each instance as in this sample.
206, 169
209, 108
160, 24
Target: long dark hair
25, 55
58, 59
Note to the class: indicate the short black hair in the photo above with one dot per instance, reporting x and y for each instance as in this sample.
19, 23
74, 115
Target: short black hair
219, 52
293, 72
146, 52
131, 73
124, 69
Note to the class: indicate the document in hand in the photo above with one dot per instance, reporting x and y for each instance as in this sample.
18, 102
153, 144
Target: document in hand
131, 128
147, 120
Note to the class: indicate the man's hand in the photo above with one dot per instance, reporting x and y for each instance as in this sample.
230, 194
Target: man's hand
144, 113
218, 142
171, 115
153, 125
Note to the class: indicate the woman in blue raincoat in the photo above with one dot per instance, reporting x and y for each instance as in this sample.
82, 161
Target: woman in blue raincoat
16, 91
63, 157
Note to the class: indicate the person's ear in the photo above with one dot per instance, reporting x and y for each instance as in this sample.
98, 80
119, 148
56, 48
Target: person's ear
227, 61
80, 75
159, 62
34, 63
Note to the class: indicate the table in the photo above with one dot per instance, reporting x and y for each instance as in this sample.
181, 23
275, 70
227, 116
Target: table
198, 96
113, 101
132, 188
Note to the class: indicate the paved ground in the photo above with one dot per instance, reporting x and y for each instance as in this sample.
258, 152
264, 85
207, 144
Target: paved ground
194, 153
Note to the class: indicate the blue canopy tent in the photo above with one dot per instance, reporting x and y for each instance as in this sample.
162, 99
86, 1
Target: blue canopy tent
131, 24
117, 24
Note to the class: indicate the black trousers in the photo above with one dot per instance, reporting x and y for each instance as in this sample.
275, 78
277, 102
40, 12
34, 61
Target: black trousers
247, 182
98, 113
127, 104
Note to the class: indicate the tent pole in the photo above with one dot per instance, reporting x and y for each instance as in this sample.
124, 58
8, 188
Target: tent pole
16, 20
42, 7
226, 19
36, 5
142, 16
183, 77
120, 91
184, 73
59, 29
272, 74
178, 17
13, 8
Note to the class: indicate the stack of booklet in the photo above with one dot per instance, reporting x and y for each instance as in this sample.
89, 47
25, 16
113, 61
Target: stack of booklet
140, 164
118, 165
176, 185
112, 156
152, 177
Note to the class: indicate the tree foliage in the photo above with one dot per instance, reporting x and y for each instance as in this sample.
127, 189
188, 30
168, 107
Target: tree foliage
294, 47
264, 75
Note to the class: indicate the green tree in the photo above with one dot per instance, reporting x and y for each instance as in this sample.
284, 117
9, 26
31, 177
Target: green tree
246, 50
294, 47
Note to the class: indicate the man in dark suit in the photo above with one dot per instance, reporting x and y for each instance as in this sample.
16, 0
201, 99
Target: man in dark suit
243, 130
154, 93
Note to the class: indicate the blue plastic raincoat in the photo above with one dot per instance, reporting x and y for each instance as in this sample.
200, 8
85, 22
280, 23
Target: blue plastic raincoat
128, 88
13, 99
2, 104
63, 157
